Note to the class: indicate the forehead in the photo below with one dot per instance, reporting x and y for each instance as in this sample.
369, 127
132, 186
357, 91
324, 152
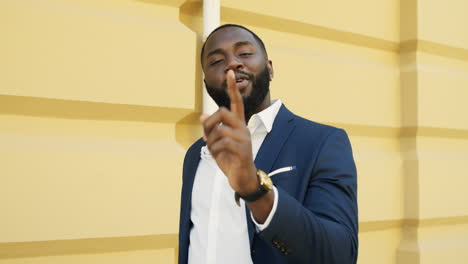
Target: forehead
227, 37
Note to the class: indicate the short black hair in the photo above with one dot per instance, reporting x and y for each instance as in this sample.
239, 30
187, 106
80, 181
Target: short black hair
257, 38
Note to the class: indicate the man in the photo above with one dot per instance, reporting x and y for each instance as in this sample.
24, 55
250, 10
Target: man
230, 210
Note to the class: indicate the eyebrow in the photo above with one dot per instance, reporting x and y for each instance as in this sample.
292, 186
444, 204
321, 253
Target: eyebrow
242, 43
236, 45
214, 52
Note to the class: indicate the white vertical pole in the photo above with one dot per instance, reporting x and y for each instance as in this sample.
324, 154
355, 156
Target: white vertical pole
211, 20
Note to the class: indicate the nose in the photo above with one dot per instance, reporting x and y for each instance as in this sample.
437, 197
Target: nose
233, 63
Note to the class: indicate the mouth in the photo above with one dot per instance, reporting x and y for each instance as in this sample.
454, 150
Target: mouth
242, 82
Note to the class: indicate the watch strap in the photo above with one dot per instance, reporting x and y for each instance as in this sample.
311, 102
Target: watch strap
254, 196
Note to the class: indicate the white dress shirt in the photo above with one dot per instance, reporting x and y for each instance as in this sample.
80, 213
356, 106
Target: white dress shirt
219, 233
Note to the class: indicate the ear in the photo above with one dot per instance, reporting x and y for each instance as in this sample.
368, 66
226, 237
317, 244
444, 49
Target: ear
270, 69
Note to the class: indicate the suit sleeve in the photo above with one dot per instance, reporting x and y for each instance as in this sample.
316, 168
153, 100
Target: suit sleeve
323, 228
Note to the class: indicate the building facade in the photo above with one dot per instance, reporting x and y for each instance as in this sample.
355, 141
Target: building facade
100, 99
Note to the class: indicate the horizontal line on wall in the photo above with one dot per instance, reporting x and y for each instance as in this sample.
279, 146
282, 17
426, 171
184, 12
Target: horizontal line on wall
367, 130
73, 109
434, 49
386, 131
173, 3
87, 246
435, 132
300, 28
85, 110
380, 225
437, 221
164, 241
321, 32
371, 226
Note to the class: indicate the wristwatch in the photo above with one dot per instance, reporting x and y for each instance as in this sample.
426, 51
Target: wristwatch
266, 185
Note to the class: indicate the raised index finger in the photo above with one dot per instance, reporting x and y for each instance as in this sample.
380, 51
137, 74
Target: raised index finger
237, 105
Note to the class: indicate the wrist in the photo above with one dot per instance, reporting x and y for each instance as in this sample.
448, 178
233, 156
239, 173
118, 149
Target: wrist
250, 186
263, 187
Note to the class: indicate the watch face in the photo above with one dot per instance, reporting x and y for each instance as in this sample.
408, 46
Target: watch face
268, 183
265, 180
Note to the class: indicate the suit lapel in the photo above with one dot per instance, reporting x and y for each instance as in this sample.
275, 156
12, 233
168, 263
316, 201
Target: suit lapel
271, 147
275, 140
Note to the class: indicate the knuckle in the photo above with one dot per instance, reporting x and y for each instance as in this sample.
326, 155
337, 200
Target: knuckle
215, 148
223, 131
222, 110
226, 141
215, 130
246, 138
219, 131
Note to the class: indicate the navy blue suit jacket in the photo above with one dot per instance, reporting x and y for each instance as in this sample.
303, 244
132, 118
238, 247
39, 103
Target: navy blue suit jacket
316, 219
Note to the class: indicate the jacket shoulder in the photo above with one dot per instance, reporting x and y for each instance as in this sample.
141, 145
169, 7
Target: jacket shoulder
315, 129
194, 148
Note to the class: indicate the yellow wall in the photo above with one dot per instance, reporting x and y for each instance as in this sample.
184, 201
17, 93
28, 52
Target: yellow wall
99, 101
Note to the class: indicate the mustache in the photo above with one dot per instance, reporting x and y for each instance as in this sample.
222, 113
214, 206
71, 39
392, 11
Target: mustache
238, 74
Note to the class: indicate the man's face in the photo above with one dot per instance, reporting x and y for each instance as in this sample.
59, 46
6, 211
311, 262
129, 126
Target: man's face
235, 48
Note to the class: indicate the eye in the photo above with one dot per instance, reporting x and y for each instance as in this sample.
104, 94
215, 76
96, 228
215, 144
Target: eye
246, 54
215, 62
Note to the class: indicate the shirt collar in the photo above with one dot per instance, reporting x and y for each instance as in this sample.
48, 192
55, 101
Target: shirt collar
266, 116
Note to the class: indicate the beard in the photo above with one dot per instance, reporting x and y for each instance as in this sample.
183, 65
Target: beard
252, 102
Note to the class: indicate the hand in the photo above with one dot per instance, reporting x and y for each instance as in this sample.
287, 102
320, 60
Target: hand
228, 140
